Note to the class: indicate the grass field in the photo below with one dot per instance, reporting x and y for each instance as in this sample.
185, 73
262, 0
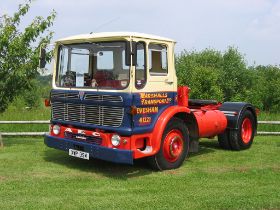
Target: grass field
33, 176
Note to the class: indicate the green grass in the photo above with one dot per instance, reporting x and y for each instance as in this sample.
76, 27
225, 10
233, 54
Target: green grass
33, 176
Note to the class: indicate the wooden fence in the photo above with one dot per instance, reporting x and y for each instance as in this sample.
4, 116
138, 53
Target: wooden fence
22, 133
266, 132
48, 122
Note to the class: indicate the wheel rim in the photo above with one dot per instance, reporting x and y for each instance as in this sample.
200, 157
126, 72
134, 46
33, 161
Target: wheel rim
246, 130
173, 145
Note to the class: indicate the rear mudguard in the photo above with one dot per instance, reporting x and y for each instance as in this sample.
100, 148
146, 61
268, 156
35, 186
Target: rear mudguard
233, 111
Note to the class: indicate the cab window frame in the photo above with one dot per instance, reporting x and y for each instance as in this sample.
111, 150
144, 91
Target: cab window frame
163, 46
141, 86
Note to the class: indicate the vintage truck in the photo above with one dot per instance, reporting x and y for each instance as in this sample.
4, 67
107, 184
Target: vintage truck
115, 97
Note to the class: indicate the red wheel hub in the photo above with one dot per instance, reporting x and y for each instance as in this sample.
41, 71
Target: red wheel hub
173, 145
246, 130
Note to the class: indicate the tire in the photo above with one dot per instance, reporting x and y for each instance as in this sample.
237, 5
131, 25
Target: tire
223, 140
243, 137
174, 146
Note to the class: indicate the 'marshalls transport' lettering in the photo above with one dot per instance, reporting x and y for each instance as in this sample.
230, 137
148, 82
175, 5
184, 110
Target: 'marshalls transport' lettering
155, 101
153, 95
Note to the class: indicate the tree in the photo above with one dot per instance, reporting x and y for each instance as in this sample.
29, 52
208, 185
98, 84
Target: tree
19, 52
267, 86
201, 72
235, 78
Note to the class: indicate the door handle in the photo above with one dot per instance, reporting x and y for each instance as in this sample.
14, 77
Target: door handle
170, 82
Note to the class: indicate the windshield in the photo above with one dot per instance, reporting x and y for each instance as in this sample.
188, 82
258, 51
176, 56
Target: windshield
93, 65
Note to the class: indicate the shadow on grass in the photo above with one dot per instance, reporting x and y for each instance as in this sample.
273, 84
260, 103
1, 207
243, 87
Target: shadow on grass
210, 143
114, 170
108, 169
10, 141
205, 147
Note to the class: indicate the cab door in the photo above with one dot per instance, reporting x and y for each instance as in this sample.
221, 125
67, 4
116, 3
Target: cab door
160, 73
154, 86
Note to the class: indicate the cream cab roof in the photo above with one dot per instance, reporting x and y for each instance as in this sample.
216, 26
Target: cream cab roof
113, 34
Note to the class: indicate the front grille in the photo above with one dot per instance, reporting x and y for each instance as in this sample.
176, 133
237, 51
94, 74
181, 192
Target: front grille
87, 96
109, 98
65, 95
84, 138
88, 114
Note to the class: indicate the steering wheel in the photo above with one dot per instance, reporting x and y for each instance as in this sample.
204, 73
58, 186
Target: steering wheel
68, 80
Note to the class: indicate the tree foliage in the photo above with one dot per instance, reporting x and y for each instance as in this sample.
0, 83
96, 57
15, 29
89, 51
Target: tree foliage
225, 76
267, 86
19, 52
200, 71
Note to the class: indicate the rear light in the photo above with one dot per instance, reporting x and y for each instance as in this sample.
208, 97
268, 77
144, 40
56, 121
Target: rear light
47, 102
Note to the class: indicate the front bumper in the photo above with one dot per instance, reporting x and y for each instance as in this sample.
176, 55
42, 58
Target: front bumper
95, 151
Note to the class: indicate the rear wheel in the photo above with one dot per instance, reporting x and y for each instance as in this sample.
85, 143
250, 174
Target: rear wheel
174, 146
241, 138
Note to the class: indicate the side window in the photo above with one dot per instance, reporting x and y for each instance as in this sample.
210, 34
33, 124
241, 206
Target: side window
140, 68
158, 59
105, 60
63, 60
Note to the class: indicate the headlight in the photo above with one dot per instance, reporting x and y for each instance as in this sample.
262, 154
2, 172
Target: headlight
116, 140
56, 129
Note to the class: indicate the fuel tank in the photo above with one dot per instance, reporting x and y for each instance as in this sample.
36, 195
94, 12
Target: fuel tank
210, 122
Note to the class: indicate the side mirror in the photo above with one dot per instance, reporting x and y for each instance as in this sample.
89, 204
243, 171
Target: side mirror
130, 51
42, 59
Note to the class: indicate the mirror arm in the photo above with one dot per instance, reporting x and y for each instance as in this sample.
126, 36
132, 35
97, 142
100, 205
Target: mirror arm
42, 58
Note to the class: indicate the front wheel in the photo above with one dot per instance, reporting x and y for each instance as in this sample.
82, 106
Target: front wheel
174, 146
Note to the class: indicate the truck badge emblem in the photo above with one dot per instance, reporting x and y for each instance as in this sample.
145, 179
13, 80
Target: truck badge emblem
81, 95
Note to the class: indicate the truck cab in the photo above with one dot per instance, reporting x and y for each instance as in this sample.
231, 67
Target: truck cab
115, 97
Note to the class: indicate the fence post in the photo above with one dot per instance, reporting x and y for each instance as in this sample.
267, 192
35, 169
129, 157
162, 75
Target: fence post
1, 141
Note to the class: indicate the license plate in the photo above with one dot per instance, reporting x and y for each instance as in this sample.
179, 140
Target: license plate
79, 154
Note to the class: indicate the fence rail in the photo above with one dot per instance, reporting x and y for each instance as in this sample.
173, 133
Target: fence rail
269, 122
48, 122
26, 122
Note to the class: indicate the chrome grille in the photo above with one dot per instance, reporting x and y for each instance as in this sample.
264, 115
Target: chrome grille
93, 97
109, 98
88, 114
88, 96
65, 95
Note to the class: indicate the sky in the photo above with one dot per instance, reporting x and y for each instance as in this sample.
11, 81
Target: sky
253, 26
